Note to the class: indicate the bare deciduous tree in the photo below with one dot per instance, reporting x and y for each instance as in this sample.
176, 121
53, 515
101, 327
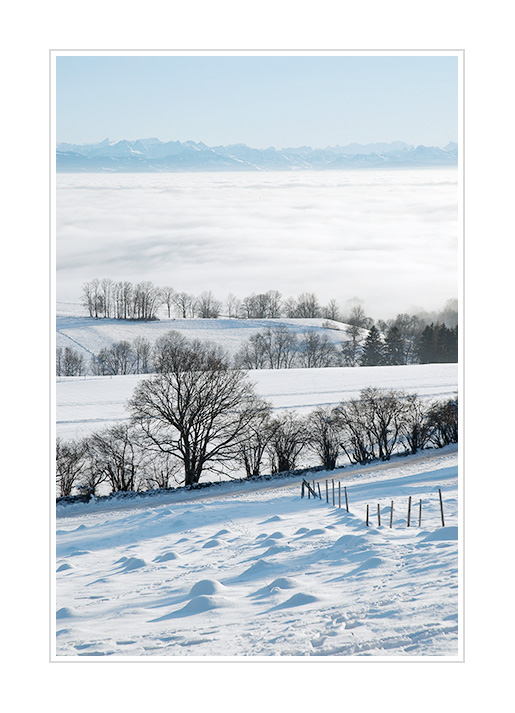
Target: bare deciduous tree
70, 464
184, 304
443, 416
197, 410
207, 307
69, 362
159, 470
288, 439
355, 441
416, 426
116, 456
316, 351
325, 432
384, 412
259, 431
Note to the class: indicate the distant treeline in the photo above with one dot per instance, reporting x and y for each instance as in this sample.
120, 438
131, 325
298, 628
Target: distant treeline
280, 348
107, 299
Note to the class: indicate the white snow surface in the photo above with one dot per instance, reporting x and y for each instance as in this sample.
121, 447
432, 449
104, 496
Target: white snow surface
254, 570
85, 404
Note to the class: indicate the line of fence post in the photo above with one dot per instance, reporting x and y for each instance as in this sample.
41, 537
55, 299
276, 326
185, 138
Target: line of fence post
313, 491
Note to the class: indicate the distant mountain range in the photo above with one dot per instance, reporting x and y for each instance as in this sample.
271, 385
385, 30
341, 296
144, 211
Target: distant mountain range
153, 155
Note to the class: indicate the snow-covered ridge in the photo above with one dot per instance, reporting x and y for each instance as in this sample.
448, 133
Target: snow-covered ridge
154, 155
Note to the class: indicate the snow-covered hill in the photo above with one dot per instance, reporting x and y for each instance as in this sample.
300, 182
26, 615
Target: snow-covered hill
260, 572
86, 335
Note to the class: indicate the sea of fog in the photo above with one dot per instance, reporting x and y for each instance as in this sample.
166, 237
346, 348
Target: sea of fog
388, 237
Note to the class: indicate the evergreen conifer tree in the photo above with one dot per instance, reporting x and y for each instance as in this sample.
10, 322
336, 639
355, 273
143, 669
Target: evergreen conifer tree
373, 349
394, 347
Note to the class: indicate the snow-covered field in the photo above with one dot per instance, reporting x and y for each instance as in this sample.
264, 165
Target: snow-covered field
253, 570
84, 404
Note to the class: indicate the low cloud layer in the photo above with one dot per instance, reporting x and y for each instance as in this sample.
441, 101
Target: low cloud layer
387, 237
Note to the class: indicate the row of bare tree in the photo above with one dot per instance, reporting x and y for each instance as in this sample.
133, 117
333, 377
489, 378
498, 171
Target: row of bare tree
200, 415
107, 298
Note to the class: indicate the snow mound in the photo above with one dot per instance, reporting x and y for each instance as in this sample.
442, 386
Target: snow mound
65, 613
275, 518
166, 557
259, 568
444, 533
349, 542
297, 600
275, 536
283, 583
370, 563
64, 567
211, 543
275, 549
133, 563
275, 586
206, 587
197, 605
222, 532
313, 533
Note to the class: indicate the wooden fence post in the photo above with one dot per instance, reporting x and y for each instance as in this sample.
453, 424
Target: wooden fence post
391, 513
339, 494
441, 506
326, 492
420, 513
319, 493
378, 515
302, 490
346, 500
333, 493
367, 515
409, 510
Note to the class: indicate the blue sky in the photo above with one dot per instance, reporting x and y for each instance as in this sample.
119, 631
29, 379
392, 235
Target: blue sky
260, 101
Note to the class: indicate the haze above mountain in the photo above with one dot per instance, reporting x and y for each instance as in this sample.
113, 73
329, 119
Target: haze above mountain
149, 155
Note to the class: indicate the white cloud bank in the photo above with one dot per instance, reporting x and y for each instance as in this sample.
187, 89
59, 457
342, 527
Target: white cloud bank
387, 237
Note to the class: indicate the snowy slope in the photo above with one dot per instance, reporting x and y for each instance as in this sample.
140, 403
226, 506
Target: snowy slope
261, 572
88, 335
